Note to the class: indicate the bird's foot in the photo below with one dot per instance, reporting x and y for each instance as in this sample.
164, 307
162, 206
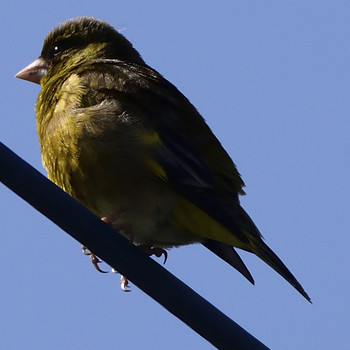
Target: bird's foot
149, 250
127, 228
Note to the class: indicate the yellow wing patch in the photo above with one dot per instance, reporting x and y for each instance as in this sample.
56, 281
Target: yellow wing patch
189, 218
155, 168
152, 139
149, 138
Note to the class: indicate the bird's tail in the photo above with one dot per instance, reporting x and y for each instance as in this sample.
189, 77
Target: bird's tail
266, 254
258, 247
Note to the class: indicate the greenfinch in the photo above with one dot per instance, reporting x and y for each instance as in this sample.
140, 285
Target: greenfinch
128, 145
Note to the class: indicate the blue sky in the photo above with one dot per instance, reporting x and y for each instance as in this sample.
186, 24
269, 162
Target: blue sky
272, 80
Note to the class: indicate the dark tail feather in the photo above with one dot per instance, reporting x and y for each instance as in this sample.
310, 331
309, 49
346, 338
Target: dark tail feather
228, 254
258, 247
266, 254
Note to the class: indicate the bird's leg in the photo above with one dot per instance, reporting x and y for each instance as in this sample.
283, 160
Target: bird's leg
125, 227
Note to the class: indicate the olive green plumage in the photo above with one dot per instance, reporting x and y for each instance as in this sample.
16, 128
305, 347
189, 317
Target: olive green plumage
128, 145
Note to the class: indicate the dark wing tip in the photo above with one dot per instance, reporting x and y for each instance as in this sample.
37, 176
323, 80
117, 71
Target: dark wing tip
228, 254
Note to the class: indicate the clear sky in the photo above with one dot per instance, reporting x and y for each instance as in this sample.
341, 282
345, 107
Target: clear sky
272, 80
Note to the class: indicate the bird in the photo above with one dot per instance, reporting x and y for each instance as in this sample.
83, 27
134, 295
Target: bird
127, 144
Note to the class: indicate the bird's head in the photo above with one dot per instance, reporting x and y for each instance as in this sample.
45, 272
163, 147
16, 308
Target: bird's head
75, 42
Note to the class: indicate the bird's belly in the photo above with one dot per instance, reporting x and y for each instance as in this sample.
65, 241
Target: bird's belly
146, 217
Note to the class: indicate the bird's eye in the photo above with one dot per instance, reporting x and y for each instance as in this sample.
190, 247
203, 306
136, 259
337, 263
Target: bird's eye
59, 47
56, 50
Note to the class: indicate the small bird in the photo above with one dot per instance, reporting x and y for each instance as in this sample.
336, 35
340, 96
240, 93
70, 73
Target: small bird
128, 145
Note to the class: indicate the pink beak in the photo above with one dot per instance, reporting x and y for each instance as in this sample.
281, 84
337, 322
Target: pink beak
34, 71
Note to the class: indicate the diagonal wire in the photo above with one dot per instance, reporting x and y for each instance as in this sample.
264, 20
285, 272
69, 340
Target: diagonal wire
149, 276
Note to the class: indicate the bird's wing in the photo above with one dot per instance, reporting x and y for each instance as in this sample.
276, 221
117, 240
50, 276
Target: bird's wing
228, 254
184, 152
182, 149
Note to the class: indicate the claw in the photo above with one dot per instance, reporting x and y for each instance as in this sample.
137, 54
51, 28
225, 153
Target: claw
94, 259
124, 284
158, 252
85, 250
